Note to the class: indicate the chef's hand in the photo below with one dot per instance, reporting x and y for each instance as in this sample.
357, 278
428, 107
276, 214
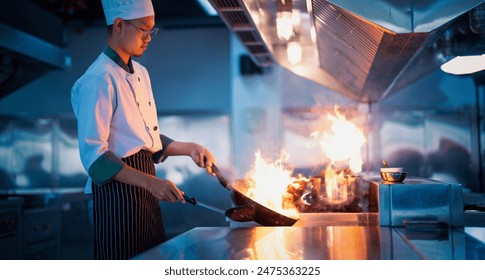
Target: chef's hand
166, 190
199, 154
202, 157
162, 189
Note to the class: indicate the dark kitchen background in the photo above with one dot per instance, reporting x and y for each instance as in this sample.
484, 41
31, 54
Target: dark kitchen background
216, 87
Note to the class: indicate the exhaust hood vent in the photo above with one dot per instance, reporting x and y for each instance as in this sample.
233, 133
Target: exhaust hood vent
29, 49
364, 57
236, 16
365, 52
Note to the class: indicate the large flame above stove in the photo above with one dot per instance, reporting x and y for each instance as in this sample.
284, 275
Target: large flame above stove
273, 184
342, 145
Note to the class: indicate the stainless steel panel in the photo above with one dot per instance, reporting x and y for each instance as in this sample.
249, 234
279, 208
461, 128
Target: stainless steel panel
364, 58
420, 200
384, 207
436, 143
444, 244
457, 205
69, 170
311, 243
31, 158
429, 202
271, 243
408, 16
337, 219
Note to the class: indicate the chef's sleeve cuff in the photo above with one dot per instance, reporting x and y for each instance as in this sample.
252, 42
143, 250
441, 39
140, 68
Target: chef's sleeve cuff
159, 155
105, 168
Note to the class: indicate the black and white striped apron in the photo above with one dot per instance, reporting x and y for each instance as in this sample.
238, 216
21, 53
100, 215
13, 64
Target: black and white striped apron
127, 219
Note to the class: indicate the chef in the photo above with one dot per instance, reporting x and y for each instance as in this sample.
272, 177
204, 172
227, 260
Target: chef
119, 137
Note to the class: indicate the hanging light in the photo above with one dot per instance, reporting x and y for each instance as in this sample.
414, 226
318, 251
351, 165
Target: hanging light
462, 65
284, 25
294, 52
284, 20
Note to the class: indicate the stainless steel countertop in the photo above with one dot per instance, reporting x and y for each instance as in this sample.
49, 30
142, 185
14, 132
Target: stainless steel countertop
317, 243
324, 236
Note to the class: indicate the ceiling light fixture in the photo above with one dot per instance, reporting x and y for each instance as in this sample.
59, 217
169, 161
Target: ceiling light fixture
462, 65
284, 20
284, 25
294, 53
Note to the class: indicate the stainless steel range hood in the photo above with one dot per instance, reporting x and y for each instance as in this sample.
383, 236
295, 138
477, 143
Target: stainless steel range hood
363, 50
30, 40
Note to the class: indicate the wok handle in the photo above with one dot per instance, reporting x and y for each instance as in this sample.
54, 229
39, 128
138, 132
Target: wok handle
191, 200
219, 176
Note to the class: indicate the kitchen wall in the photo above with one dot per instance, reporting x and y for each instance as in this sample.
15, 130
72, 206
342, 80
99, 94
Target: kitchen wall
432, 128
189, 71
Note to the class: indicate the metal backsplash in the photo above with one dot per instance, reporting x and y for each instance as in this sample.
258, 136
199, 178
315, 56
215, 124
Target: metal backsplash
40, 156
39, 153
435, 144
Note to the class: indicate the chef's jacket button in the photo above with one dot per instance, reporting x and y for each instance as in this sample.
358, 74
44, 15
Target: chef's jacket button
149, 103
155, 128
138, 78
138, 104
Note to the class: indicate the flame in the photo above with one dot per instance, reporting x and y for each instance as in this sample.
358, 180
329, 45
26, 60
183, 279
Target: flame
342, 145
268, 182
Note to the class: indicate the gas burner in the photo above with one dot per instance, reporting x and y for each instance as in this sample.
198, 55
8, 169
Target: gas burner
312, 196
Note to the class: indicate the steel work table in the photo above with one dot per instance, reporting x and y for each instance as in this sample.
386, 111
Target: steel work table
318, 243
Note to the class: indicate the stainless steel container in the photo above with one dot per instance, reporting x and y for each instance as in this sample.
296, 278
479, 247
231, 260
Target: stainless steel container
417, 201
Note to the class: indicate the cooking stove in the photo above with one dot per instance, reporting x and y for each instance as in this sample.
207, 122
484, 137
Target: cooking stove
413, 202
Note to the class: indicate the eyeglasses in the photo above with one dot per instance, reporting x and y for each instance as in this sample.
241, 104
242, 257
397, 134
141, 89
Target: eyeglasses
145, 33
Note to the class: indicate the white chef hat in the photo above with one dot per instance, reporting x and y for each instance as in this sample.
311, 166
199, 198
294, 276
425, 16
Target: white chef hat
126, 9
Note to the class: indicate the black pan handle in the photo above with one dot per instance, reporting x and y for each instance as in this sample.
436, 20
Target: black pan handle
219, 176
190, 200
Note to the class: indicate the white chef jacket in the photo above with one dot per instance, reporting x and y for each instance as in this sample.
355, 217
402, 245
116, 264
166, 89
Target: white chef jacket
115, 110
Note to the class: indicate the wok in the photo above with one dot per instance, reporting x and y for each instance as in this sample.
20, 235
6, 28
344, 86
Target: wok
263, 215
